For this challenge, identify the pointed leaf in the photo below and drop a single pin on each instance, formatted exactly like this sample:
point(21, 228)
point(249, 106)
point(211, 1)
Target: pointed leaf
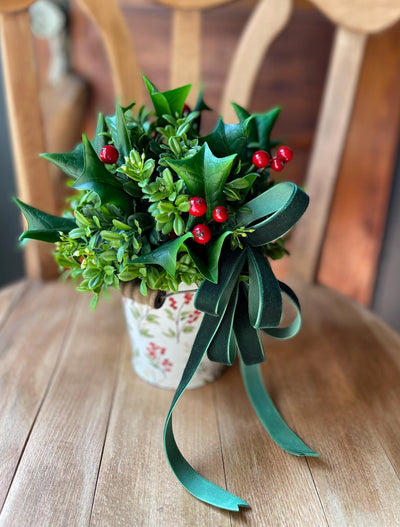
point(169, 102)
point(43, 226)
point(241, 113)
point(123, 144)
point(264, 123)
point(96, 177)
point(165, 255)
point(204, 175)
point(207, 259)
point(71, 163)
point(200, 107)
point(100, 139)
point(227, 139)
point(200, 104)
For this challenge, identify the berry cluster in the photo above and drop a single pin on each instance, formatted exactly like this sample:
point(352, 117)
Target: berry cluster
point(173, 303)
point(198, 207)
point(193, 316)
point(187, 298)
point(261, 158)
point(154, 353)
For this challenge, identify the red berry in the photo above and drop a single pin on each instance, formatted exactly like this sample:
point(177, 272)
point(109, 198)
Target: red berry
point(220, 214)
point(109, 154)
point(201, 233)
point(285, 153)
point(186, 109)
point(277, 164)
point(260, 159)
point(198, 206)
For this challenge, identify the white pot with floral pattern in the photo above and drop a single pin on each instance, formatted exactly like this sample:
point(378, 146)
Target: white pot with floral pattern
point(162, 339)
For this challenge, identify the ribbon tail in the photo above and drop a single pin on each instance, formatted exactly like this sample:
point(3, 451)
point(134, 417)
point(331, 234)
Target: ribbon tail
point(269, 415)
point(191, 480)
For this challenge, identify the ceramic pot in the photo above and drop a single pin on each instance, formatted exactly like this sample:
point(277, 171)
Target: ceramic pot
point(162, 338)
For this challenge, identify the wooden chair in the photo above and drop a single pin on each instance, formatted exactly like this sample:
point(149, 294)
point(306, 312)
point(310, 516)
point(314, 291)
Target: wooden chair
point(80, 440)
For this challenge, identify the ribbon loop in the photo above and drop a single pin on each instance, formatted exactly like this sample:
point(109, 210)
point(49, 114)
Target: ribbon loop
point(234, 311)
point(281, 206)
point(265, 299)
point(247, 337)
point(292, 329)
point(223, 345)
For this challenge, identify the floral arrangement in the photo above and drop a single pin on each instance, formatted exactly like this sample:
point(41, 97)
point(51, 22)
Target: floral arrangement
point(160, 204)
point(155, 201)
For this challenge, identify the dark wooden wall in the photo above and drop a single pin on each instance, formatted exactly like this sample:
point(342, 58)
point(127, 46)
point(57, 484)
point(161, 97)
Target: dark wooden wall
point(292, 76)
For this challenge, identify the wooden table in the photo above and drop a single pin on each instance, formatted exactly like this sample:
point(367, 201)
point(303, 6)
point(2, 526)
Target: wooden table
point(81, 435)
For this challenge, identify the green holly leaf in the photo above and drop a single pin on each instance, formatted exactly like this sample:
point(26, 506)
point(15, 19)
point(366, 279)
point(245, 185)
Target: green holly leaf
point(207, 258)
point(96, 177)
point(71, 163)
point(200, 104)
point(227, 139)
point(264, 123)
point(119, 132)
point(204, 175)
point(100, 139)
point(169, 102)
point(241, 113)
point(165, 255)
point(200, 107)
point(43, 226)
point(259, 125)
point(123, 142)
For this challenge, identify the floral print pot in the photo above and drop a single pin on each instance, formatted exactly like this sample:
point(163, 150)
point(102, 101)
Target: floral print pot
point(162, 339)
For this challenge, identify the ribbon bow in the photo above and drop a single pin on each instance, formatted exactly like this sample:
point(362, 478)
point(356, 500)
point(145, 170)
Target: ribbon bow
point(246, 298)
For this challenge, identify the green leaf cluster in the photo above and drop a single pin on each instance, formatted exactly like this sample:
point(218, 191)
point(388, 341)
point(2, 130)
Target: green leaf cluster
point(131, 220)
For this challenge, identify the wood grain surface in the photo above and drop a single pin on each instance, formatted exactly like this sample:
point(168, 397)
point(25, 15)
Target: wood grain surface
point(81, 435)
point(326, 154)
point(353, 240)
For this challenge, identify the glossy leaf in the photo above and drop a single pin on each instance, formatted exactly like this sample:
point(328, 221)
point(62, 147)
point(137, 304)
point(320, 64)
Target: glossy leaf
point(165, 255)
point(100, 139)
point(259, 125)
point(43, 226)
point(71, 163)
point(96, 177)
point(264, 123)
point(207, 258)
point(123, 143)
point(169, 102)
point(204, 175)
point(227, 139)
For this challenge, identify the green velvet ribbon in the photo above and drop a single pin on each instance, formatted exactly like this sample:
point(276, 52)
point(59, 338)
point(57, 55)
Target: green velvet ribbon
point(247, 298)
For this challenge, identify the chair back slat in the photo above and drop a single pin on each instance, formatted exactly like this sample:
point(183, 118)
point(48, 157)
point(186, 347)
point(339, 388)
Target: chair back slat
point(365, 16)
point(250, 52)
point(26, 128)
point(259, 32)
point(186, 50)
point(107, 16)
point(329, 141)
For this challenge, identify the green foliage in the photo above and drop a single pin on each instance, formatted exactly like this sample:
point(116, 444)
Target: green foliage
point(131, 220)
point(42, 226)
